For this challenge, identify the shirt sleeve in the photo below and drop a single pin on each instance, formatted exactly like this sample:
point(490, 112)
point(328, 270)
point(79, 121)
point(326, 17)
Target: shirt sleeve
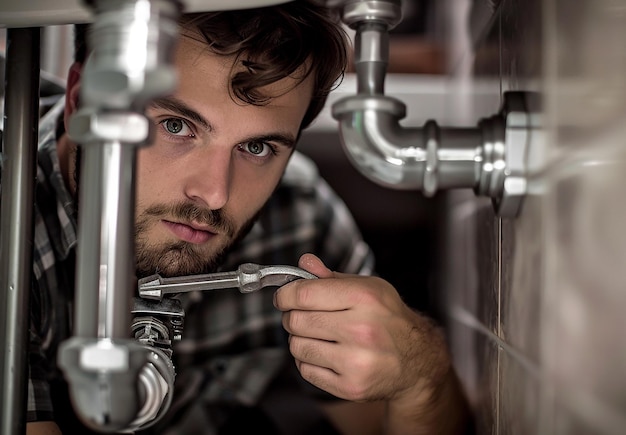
point(341, 246)
point(39, 402)
point(39, 405)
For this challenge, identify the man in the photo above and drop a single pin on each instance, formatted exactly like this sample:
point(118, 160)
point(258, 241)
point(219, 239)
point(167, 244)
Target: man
point(249, 82)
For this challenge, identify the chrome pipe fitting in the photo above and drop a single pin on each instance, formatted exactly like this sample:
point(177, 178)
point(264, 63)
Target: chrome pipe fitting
point(490, 159)
point(132, 60)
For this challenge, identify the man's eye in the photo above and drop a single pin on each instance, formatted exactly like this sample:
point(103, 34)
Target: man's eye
point(177, 127)
point(258, 149)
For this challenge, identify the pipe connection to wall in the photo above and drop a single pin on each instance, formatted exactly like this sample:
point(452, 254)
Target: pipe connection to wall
point(490, 158)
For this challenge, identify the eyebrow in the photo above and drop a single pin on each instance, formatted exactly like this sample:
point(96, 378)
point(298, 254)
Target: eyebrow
point(176, 105)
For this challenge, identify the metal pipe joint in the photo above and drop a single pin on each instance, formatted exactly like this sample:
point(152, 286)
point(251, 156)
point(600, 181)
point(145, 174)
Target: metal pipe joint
point(490, 158)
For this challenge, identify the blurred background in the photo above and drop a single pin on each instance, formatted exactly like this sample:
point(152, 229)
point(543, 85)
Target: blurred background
point(534, 305)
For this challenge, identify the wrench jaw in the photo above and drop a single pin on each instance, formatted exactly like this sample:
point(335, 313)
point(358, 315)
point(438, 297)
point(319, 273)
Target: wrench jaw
point(255, 277)
point(250, 276)
point(146, 292)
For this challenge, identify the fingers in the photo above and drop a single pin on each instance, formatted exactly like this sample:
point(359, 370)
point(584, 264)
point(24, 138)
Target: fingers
point(334, 291)
point(333, 383)
point(348, 372)
point(320, 325)
point(326, 294)
point(310, 294)
point(313, 264)
point(336, 326)
point(343, 292)
point(348, 326)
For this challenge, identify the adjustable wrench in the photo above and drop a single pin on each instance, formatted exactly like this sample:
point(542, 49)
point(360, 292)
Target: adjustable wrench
point(249, 277)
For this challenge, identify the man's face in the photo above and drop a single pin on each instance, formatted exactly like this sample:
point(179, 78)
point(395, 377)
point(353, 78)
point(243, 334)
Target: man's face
point(213, 164)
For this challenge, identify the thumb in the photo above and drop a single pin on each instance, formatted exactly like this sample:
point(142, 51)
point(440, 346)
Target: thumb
point(313, 264)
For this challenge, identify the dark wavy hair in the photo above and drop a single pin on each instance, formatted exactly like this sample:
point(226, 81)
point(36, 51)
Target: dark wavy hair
point(294, 39)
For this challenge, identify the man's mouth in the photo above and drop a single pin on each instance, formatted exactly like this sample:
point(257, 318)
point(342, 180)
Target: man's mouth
point(188, 233)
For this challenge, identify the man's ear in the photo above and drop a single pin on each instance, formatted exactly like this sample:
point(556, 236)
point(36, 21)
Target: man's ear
point(72, 93)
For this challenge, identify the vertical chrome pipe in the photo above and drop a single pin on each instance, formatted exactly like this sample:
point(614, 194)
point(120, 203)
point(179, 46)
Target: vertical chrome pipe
point(107, 226)
point(19, 151)
point(108, 371)
point(132, 41)
point(371, 57)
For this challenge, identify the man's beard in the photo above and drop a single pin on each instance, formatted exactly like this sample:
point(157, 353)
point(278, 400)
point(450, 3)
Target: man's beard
point(182, 258)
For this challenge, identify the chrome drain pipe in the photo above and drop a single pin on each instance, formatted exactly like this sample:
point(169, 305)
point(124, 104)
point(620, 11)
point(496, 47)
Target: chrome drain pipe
point(490, 158)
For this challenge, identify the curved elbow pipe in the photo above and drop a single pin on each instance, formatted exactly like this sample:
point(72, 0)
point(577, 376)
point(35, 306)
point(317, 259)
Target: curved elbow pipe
point(405, 158)
point(490, 159)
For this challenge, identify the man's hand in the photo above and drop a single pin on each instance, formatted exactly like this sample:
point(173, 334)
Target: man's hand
point(354, 337)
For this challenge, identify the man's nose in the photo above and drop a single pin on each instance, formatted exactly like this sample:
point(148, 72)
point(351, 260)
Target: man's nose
point(208, 178)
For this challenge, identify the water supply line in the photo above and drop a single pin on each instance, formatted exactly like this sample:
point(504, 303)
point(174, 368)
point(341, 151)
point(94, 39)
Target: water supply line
point(490, 158)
